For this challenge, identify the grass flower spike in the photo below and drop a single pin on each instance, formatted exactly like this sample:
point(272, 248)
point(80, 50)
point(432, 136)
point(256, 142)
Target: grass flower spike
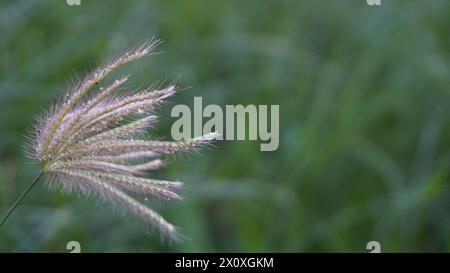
point(94, 143)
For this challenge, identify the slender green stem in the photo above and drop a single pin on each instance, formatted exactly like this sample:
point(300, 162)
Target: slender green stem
point(20, 198)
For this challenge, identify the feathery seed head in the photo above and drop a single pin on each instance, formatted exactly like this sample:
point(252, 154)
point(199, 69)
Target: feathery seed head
point(87, 145)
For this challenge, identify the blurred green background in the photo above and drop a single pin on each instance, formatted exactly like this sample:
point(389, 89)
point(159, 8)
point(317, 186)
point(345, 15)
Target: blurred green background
point(364, 95)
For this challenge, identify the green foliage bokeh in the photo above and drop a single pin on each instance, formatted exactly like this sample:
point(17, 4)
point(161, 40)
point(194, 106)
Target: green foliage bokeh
point(364, 95)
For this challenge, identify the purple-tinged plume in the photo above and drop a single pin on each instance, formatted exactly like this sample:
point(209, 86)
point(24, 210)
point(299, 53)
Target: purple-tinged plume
point(94, 143)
